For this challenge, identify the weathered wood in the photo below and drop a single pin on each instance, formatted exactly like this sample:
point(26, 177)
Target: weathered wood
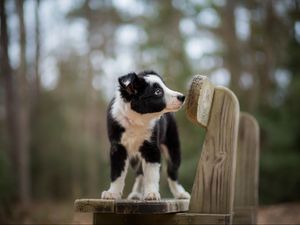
point(213, 188)
point(131, 206)
point(167, 219)
point(199, 100)
point(246, 185)
point(154, 207)
point(94, 205)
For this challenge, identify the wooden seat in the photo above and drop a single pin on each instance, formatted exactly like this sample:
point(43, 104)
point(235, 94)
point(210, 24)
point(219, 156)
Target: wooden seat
point(131, 206)
point(212, 198)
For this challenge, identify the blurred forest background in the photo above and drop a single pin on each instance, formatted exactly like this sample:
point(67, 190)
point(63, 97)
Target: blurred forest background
point(60, 60)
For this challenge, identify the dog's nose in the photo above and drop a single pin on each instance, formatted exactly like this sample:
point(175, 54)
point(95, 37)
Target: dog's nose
point(181, 98)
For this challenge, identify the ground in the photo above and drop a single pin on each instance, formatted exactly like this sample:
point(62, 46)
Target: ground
point(288, 213)
point(62, 213)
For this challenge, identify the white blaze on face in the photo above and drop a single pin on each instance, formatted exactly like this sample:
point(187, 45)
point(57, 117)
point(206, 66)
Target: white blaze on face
point(172, 102)
point(126, 82)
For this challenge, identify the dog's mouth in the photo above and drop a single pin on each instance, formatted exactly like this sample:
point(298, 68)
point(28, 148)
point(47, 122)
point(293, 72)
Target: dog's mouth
point(174, 107)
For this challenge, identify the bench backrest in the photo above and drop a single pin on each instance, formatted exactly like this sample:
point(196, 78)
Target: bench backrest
point(246, 184)
point(217, 111)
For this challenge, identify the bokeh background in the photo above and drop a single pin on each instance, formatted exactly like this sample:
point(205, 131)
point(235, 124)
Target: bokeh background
point(64, 57)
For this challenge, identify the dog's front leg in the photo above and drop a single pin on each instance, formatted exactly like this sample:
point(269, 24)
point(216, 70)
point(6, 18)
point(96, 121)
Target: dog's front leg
point(119, 166)
point(150, 154)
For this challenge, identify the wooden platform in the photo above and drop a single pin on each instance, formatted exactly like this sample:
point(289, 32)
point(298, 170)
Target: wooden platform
point(131, 206)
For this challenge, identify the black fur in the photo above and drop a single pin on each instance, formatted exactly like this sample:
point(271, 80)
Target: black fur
point(140, 94)
point(118, 155)
point(150, 152)
point(172, 142)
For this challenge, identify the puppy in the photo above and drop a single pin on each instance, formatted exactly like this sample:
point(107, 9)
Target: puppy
point(141, 126)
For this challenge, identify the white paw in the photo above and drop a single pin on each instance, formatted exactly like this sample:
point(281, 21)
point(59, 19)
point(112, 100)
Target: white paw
point(183, 195)
point(135, 196)
point(110, 195)
point(152, 196)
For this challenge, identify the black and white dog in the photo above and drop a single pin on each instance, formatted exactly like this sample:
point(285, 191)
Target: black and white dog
point(141, 126)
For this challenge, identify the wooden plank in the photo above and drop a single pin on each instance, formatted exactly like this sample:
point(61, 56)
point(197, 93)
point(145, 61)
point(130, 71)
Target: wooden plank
point(131, 206)
point(213, 188)
point(199, 100)
point(152, 207)
point(167, 219)
point(246, 185)
point(94, 205)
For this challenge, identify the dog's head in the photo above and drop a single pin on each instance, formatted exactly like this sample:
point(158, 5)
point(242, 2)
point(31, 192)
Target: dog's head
point(147, 93)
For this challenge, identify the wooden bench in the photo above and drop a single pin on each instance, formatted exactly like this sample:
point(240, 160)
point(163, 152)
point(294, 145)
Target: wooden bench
point(246, 185)
point(219, 194)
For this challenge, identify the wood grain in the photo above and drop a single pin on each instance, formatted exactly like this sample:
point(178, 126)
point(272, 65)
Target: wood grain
point(199, 100)
point(131, 206)
point(94, 205)
point(246, 185)
point(213, 189)
point(167, 219)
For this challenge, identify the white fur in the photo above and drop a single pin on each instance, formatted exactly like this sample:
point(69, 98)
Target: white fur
point(173, 104)
point(138, 188)
point(127, 82)
point(177, 190)
point(138, 127)
point(115, 190)
point(133, 138)
point(151, 180)
point(164, 150)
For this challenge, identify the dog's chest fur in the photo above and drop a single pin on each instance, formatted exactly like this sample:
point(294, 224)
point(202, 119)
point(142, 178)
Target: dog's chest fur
point(137, 127)
point(133, 137)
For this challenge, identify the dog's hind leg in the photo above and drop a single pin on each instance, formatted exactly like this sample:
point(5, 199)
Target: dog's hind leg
point(171, 149)
point(137, 190)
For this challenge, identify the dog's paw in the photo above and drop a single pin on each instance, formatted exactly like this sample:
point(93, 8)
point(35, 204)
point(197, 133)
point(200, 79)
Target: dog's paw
point(135, 196)
point(110, 195)
point(152, 196)
point(183, 195)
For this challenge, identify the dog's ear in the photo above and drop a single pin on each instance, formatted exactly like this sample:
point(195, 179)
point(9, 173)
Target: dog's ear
point(129, 82)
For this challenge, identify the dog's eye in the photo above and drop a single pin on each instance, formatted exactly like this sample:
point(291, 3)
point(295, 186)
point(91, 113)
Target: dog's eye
point(158, 92)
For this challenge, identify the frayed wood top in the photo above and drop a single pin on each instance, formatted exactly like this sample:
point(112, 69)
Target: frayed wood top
point(199, 100)
point(124, 206)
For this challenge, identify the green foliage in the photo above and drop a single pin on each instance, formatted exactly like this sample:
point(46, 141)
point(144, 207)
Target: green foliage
point(279, 176)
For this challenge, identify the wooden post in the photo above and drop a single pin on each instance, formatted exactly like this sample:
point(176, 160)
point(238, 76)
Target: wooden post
point(213, 189)
point(246, 185)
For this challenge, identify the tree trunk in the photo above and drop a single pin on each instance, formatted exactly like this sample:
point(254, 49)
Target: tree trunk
point(37, 50)
point(232, 56)
point(24, 130)
point(10, 95)
point(88, 123)
point(268, 47)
